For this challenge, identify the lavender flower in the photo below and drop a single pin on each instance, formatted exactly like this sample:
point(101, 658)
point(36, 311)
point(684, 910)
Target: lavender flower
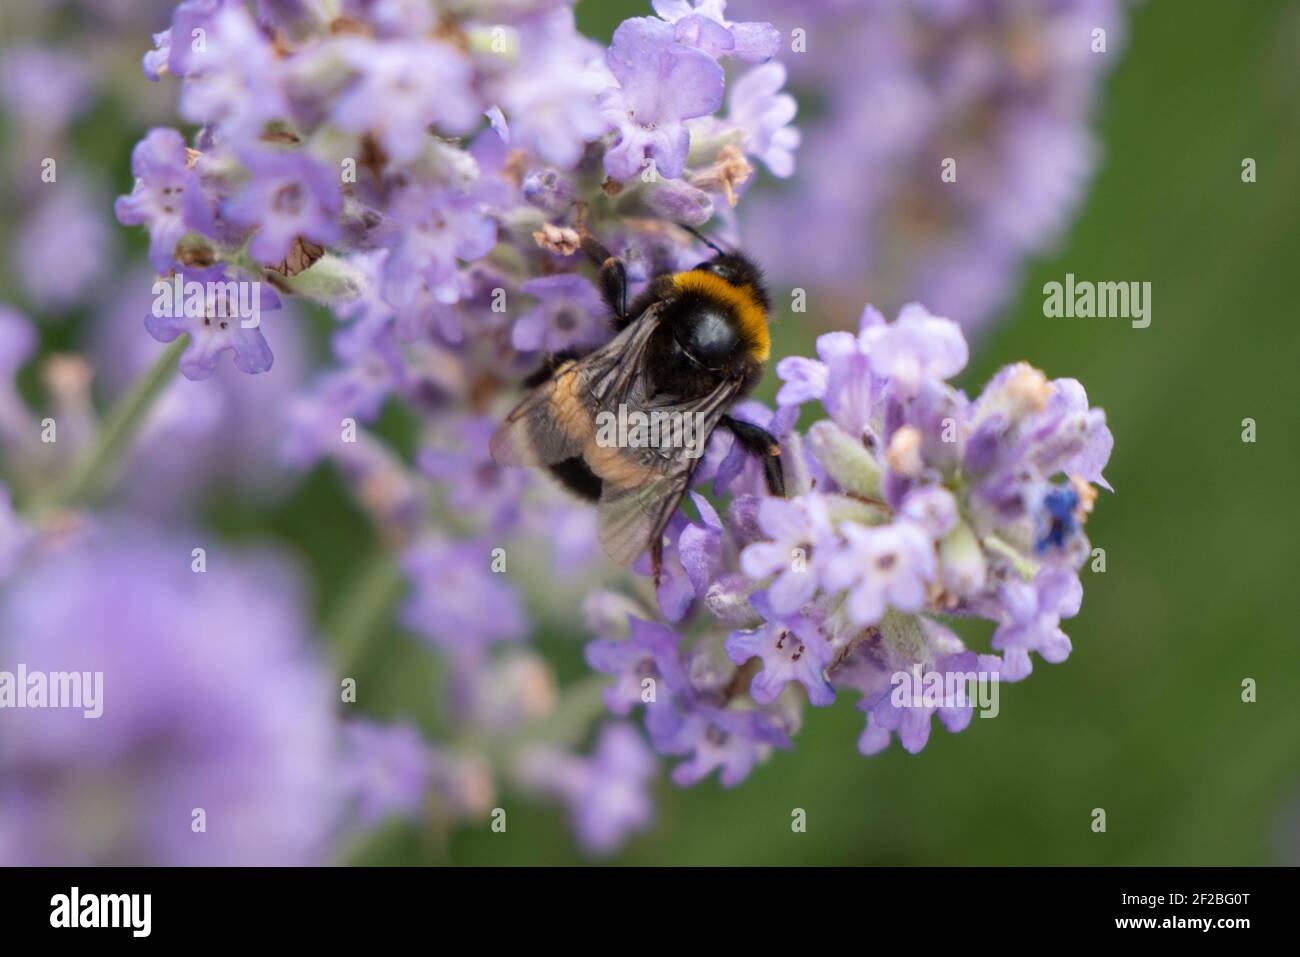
point(217, 324)
point(758, 106)
point(72, 218)
point(162, 175)
point(661, 84)
point(44, 89)
point(571, 314)
point(453, 584)
point(289, 195)
point(388, 770)
point(704, 26)
point(791, 648)
point(420, 83)
point(879, 568)
point(550, 100)
point(606, 793)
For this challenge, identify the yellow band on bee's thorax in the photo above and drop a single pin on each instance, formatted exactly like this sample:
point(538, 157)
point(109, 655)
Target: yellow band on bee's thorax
point(741, 299)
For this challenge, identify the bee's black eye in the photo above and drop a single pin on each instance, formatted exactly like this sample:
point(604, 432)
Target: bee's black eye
point(719, 268)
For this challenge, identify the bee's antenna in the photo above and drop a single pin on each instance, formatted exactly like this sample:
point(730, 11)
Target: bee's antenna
point(704, 239)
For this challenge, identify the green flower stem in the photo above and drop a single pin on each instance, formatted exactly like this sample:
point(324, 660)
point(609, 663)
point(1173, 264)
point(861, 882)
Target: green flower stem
point(1024, 565)
point(120, 427)
point(358, 612)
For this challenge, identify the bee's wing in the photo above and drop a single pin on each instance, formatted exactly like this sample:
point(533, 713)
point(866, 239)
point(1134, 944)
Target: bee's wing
point(633, 516)
point(554, 421)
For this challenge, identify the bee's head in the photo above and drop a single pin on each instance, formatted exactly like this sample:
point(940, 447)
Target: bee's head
point(739, 271)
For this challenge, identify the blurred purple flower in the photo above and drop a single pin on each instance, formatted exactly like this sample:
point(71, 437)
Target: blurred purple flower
point(402, 88)
point(457, 602)
point(570, 315)
point(215, 709)
point(607, 793)
point(758, 106)
point(386, 770)
point(703, 25)
point(44, 89)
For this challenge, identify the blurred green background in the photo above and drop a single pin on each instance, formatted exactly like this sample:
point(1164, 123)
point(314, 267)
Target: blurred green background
point(1145, 720)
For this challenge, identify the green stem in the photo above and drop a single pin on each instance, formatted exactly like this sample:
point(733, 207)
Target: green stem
point(121, 426)
point(357, 613)
point(1025, 566)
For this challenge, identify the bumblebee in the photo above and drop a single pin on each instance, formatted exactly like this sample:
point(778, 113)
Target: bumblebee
point(686, 349)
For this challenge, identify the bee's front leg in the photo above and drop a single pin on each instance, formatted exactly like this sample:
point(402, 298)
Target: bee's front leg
point(763, 445)
point(613, 276)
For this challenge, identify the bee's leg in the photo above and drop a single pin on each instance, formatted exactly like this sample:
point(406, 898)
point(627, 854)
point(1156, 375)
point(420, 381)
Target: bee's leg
point(613, 277)
point(657, 559)
point(761, 444)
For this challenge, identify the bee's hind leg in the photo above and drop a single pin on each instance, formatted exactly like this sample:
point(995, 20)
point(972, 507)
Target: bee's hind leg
point(763, 445)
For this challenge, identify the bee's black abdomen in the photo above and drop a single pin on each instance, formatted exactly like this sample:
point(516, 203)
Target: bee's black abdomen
point(578, 478)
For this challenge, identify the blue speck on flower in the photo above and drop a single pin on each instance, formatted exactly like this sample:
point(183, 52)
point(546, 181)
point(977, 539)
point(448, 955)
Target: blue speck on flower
point(1060, 503)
